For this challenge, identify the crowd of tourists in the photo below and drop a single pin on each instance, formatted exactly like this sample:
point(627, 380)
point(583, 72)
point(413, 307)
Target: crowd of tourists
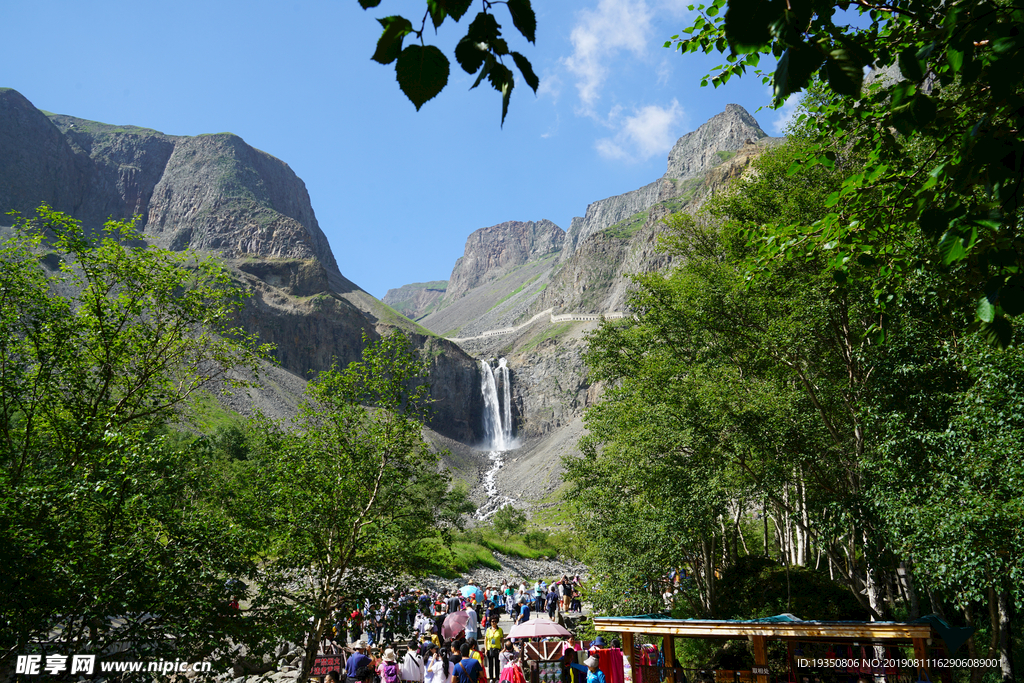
point(422, 613)
point(472, 648)
point(457, 661)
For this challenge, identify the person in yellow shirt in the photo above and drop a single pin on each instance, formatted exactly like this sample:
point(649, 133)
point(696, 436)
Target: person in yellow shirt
point(474, 653)
point(493, 638)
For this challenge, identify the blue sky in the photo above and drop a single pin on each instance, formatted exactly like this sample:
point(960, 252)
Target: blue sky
point(396, 191)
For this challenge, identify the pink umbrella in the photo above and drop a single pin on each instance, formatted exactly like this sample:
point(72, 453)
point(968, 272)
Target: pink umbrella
point(453, 623)
point(538, 628)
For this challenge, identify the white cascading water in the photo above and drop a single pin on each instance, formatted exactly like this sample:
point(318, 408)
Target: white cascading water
point(497, 431)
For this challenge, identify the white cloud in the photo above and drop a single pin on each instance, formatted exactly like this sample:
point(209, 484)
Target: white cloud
point(550, 86)
point(648, 131)
point(599, 36)
point(664, 72)
point(678, 8)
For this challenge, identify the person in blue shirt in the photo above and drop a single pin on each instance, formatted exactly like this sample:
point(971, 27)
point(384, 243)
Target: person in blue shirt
point(594, 675)
point(524, 613)
point(468, 669)
point(357, 660)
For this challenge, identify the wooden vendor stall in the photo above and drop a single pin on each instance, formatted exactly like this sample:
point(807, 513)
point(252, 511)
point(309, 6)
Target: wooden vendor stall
point(860, 642)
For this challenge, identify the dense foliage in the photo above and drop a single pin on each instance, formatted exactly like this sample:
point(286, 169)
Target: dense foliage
point(121, 527)
point(99, 516)
point(768, 416)
point(937, 130)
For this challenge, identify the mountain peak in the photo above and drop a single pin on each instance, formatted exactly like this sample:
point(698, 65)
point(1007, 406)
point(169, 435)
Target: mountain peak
point(697, 151)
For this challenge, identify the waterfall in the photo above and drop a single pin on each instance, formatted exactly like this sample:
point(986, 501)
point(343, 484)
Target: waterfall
point(497, 412)
point(497, 430)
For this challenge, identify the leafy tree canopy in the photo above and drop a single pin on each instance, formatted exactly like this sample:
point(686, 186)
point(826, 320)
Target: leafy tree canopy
point(509, 520)
point(937, 133)
point(108, 531)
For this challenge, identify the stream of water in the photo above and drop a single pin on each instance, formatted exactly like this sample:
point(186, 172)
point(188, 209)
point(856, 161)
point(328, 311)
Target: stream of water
point(497, 431)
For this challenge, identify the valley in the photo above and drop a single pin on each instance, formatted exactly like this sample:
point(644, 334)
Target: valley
point(524, 292)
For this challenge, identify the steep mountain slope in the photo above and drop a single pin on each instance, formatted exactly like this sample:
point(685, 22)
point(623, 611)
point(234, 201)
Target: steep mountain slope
point(418, 299)
point(512, 271)
point(537, 313)
point(217, 194)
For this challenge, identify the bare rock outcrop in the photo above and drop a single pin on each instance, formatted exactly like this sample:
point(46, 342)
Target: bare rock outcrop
point(218, 195)
point(693, 155)
point(418, 299)
point(493, 252)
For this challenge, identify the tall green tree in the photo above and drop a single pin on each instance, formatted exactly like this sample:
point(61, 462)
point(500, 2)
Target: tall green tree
point(351, 496)
point(867, 458)
point(509, 520)
point(938, 133)
point(107, 534)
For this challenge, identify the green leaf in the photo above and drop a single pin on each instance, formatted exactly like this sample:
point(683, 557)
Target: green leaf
point(955, 58)
point(794, 69)
point(910, 67)
point(1011, 299)
point(502, 80)
point(999, 332)
point(483, 29)
point(455, 8)
point(523, 18)
point(422, 72)
point(924, 109)
point(389, 45)
point(845, 75)
point(858, 52)
point(470, 55)
point(437, 12)
point(954, 246)
point(986, 312)
point(367, 4)
point(747, 23)
point(489, 62)
point(524, 66)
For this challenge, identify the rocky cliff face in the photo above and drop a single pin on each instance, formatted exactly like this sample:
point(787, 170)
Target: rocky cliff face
point(217, 194)
point(605, 212)
point(418, 299)
point(493, 252)
point(695, 153)
point(617, 237)
point(692, 156)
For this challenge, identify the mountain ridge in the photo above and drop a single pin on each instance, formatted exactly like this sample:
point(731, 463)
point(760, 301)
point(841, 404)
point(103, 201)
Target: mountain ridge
point(218, 195)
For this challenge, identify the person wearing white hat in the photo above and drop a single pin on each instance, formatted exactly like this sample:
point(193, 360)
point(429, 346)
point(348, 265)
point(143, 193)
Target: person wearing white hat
point(357, 660)
point(595, 675)
point(388, 669)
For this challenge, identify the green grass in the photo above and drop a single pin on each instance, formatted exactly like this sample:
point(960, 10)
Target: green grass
point(552, 511)
point(393, 317)
point(725, 155)
point(466, 556)
point(516, 291)
point(625, 229)
point(209, 415)
point(514, 545)
point(476, 547)
point(549, 333)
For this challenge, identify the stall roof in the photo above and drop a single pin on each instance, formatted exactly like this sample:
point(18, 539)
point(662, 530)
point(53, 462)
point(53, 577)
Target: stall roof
point(783, 626)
